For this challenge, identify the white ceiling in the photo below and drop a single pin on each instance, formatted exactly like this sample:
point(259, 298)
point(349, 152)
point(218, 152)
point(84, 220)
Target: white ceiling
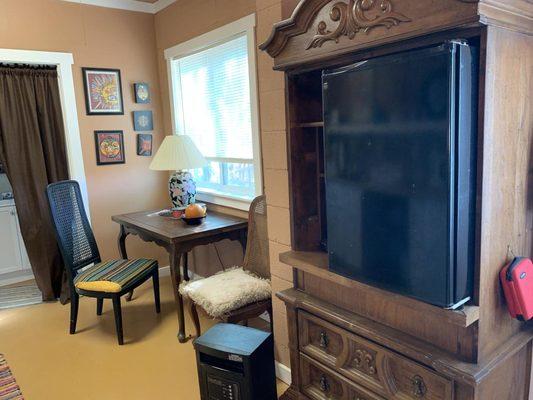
point(147, 6)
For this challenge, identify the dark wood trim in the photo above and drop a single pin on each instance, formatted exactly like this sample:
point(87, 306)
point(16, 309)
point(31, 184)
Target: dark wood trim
point(316, 263)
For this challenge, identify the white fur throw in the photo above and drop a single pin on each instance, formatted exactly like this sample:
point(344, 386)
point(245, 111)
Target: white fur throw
point(226, 291)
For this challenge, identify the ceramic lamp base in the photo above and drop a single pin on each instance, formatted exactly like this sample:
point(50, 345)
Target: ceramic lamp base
point(182, 189)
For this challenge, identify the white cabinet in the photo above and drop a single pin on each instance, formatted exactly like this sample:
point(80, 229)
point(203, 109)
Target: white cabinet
point(13, 256)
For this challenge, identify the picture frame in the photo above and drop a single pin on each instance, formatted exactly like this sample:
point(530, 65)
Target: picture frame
point(142, 93)
point(143, 121)
point(144, 144)
point(109, 147)
point(103, 91)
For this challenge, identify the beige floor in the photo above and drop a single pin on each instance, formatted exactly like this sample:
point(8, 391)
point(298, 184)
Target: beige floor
point(50, 364)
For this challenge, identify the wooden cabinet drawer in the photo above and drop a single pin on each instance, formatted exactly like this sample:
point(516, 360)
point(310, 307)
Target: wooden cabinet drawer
point(368, 364)
point(321, 383)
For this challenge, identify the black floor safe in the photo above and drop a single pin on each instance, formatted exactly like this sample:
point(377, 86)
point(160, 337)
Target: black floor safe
point(236, 363)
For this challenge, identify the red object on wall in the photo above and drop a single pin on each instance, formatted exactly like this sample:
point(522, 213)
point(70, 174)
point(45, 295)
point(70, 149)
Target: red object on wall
point(517, 282)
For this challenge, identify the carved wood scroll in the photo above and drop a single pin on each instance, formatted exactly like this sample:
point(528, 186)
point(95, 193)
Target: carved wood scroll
point(353, 17)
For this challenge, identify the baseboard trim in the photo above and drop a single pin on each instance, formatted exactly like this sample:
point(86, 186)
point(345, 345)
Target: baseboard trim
point(16, 277)
point(283, 373)
point(164, 271)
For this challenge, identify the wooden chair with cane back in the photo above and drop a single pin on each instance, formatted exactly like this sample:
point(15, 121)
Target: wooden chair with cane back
point(87, 274)
point(248, 288)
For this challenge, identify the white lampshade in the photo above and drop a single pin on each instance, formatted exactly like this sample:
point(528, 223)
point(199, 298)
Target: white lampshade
point(177, 152)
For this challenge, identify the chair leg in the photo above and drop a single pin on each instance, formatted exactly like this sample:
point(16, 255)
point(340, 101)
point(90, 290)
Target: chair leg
point(271, 317)
point(195, 319)
point(118, 319)
point(99, 306)
point(129, 296)
point(155, 278)
point(74, 306)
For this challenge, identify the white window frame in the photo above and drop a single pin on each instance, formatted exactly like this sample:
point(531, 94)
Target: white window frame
point(218, 36)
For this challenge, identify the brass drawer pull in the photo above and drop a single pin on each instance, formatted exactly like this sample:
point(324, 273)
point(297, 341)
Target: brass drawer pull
point(324, 340)
point(324, 384)
point(419, 387)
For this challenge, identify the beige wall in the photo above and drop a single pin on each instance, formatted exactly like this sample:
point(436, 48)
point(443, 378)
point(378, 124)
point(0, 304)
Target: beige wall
point(189, 18)
point(100, 37)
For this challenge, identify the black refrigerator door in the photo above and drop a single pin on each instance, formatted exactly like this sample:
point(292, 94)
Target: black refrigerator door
point(390, 172)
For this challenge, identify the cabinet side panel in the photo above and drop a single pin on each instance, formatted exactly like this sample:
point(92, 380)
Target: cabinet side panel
point(509, 379)
point(507, 205)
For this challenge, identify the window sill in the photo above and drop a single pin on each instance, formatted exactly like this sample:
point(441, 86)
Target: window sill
point(222, 199)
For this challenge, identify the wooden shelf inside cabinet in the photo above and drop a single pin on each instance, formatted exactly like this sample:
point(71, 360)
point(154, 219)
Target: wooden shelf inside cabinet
point(317, 124)
point(316, 263)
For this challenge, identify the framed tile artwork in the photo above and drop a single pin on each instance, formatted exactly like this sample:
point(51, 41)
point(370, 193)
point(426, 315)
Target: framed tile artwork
point(109, 146)
point(143, 121)
point(144, 144)
point(103, 91)
point(142, 93)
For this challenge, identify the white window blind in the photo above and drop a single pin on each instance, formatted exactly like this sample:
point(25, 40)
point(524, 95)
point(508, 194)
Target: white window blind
point(215, 100)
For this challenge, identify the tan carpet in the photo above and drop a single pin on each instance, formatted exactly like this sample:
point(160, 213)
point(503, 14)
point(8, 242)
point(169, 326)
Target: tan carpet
point(51, 364)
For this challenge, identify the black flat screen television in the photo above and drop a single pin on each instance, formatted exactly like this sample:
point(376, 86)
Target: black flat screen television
point(400, 154)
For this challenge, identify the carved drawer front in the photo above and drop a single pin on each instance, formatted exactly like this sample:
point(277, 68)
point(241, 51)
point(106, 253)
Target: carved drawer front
point(412, 381)
point(368, 364)
point(322, 341)
point(321, 383)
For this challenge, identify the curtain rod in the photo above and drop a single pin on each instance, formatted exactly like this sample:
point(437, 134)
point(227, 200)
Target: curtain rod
point(29, 66)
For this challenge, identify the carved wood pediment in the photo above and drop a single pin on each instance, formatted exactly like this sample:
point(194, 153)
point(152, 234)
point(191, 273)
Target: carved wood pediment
point(353, 17)
point(317, 27)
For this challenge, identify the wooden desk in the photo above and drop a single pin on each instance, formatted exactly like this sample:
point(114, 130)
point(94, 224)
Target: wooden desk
point(178, 239)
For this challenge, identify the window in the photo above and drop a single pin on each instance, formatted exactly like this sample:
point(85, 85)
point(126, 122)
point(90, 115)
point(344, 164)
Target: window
point(214, 99)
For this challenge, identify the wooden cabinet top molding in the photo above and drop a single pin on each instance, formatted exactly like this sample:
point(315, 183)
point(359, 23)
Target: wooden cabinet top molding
point(324, 28)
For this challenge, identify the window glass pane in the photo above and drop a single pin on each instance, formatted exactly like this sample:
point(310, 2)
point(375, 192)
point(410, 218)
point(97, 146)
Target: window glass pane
point(240, 174)
point(215, 99)
point(209, 174)
point(226, 178)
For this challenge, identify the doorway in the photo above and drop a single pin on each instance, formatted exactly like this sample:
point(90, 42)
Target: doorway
point(14, 264)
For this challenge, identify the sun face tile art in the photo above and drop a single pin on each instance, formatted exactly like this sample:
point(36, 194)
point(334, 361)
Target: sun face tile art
point(103, 91)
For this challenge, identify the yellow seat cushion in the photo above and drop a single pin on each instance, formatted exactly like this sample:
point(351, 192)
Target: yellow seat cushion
point(100, 286)
point(113, 276)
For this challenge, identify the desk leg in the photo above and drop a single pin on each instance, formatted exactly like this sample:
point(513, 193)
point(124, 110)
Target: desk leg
point(186, 267)
point(122, 250)
point(175, 273)
point(122, 242)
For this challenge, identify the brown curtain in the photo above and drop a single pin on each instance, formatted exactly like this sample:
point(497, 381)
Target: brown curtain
point(32, 149)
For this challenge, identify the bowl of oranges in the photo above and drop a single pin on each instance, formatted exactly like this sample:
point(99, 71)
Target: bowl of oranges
point(194, 214)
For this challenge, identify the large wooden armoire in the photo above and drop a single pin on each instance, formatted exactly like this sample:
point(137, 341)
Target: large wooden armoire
point(352, 341)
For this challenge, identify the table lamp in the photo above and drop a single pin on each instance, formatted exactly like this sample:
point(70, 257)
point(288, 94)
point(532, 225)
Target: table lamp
point(177, 153)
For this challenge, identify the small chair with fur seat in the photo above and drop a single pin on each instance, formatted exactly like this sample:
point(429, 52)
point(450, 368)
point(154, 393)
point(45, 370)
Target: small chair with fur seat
point(87, 274)
point(237, 294)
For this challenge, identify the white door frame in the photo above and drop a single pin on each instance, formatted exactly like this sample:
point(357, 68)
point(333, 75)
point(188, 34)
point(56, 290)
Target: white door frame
point(64, 62)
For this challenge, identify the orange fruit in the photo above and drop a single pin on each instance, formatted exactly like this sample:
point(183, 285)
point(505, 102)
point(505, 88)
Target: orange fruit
point(194, 211)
